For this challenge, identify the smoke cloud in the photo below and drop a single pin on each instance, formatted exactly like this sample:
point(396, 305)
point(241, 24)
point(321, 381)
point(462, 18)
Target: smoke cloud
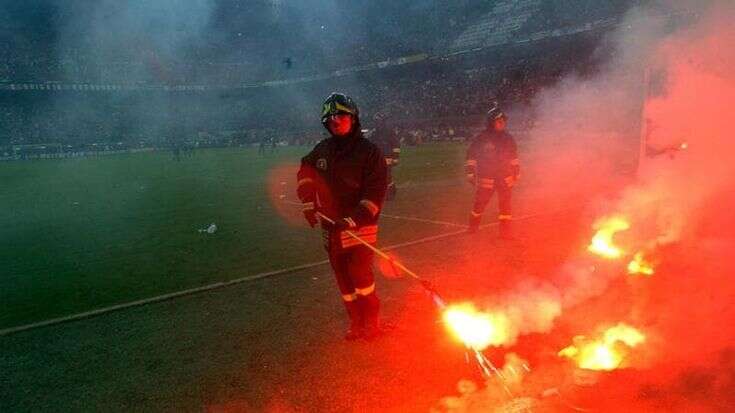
point(588, 132)
point(145, 40)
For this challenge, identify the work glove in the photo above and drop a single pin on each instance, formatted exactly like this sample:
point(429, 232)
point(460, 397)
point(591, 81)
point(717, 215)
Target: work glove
point(510, 181)
point(343, 224)
point(339, 224)
point(310, 215)
point(471, 179)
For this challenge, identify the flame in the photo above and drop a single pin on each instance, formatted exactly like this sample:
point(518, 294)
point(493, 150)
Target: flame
point(605, 353)
point(476, 329)
point(639, 265)
point(602, 243)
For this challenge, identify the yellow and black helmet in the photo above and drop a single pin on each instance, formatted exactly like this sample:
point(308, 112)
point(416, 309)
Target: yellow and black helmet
point(495, 112)
point(339, 103)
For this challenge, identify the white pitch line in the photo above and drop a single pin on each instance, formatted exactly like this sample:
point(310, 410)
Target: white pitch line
point(429, 221)
point(223, 284)
point(158, 298)
point(464, 231)
point(525, 217)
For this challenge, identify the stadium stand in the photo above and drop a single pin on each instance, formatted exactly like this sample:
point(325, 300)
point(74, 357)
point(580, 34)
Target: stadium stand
point(497, 26)
point(496, 55)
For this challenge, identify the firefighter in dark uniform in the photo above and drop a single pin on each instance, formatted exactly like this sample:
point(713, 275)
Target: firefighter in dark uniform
point(492, 165)
point(344, 178)
point(386, 139)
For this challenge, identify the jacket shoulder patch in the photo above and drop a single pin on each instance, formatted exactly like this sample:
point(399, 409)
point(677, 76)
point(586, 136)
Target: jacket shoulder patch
point(321, 163)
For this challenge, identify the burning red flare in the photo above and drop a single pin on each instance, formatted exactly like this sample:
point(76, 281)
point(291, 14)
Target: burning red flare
point(602, 243)
point(639, 265)
point(607, 352)
point(476, 329)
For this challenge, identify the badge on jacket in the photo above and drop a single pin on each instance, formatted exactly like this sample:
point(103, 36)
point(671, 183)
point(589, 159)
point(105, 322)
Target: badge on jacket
point(321, 163)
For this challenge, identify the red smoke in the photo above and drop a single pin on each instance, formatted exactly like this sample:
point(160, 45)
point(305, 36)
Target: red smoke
point(679, 207)
point(672, 199)
point(281, 188)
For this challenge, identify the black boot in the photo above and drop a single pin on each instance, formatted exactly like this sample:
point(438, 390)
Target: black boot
point(357, 325)
point(390, 194)
point(474, 222)
point(370, 307)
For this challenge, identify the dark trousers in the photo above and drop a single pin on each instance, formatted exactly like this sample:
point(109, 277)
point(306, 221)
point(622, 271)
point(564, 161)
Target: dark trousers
point(390, 193)
point(356, 281)
point(486, 187)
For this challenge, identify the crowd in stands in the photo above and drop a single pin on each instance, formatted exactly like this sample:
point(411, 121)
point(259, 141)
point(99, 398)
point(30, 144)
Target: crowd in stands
point(425, 102)
point(62, 42)
point(35, 55)
point(441, 98)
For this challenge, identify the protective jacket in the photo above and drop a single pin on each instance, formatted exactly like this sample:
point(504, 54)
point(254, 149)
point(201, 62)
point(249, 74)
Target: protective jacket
point(344, 177)
point(492, 155)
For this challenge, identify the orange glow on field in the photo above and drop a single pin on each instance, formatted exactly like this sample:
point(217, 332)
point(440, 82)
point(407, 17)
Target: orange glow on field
point(639, 265)
point(605, 353)
point(602, 243)
point(476, 329)
point(281, 189)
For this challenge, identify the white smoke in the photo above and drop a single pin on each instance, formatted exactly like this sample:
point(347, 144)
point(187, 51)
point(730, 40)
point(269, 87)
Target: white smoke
point(681, 197)
point(531, 307)
point(134, 36)
point(588, 126)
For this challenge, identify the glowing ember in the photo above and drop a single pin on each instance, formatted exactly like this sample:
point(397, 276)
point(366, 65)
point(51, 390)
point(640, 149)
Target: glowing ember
point(639, 265)
point(477, 330)
point(606, 353)
point(602, 243)
point(683, 146)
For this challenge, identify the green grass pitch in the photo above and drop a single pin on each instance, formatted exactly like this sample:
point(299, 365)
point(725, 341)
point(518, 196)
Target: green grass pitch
point(81, 234)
